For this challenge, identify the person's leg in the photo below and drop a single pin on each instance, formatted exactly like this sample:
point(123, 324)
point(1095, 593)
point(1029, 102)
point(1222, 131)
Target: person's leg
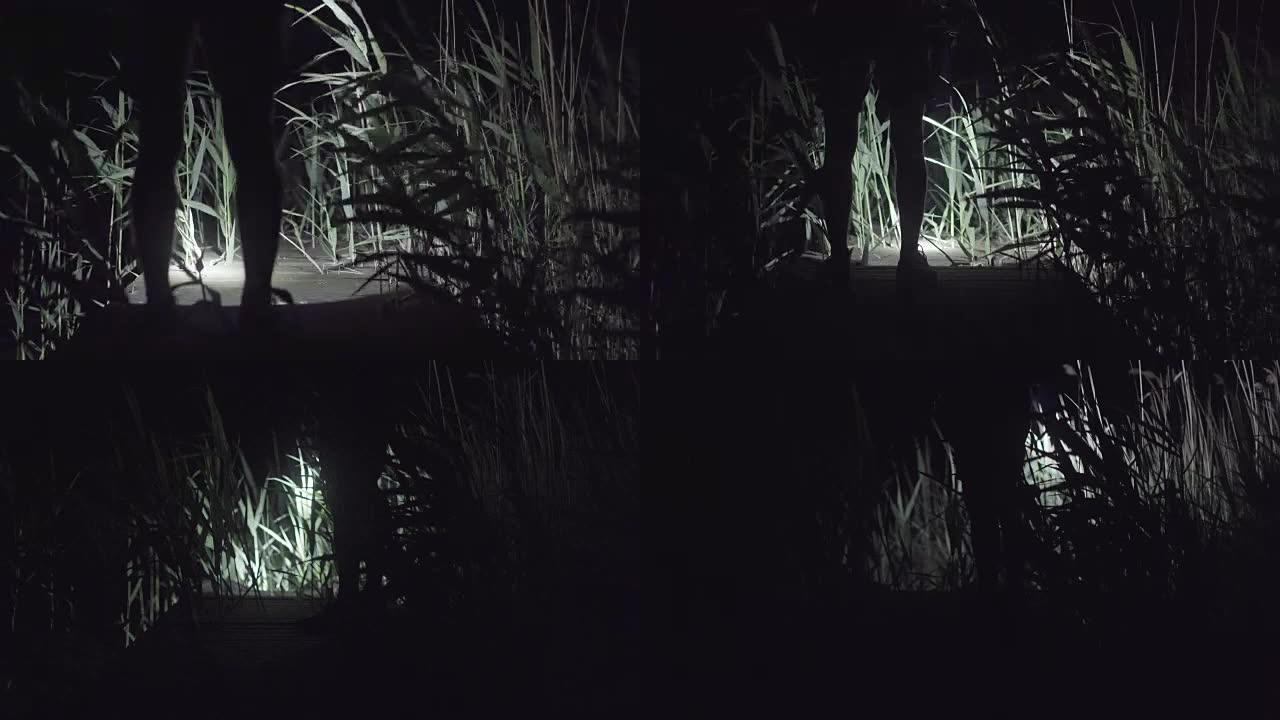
point(903, 72)
point(159, 82)
point(907, 141)
point(244, 43)
point(842, 91)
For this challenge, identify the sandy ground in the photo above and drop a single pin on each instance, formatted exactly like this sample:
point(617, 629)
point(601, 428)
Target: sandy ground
point(309, 281)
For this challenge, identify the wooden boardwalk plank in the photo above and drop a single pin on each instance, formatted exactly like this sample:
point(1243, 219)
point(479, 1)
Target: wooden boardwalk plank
point(331, 313)
point(400, 322)
point(307, 281)
point(974, 317)
point(249, 656)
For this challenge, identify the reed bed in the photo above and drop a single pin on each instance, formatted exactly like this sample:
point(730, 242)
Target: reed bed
point(490, 161)
point(1158, 514)
point(506, 489)
point(1150, 177)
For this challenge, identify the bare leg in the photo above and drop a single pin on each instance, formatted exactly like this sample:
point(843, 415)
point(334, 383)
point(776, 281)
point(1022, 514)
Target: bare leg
point(160, 92)
point(259, 200)
point(837, 186)
point(244, 59)
point(903, 71)
point(843, 92)
point(907, 141)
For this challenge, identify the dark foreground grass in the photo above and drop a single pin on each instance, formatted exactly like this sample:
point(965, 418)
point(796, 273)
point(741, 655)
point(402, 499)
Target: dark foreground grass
point(1147, 589)
point(616, 532)
point(513, 550)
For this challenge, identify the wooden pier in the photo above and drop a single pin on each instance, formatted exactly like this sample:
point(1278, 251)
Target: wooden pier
point(975, 320)
point(333, 311)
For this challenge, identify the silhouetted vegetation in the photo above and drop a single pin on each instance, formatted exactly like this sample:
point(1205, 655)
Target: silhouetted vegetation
point(1146, 175)
point(510, 496)
point(488, 158)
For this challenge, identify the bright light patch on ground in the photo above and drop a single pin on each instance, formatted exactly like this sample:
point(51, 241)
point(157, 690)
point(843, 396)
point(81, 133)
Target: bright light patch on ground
point(221, 271)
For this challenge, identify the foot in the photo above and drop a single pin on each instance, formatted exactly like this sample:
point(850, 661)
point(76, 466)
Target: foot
point(914, 270)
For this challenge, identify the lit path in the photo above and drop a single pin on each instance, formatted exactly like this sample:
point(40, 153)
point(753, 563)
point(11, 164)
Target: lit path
point(293, 272)
point(327, 315)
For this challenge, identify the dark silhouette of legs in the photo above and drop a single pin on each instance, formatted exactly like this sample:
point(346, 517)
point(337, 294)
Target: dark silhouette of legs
point(841, 93)
point(160, 91)
point(244, 51)
point(907, 141)
point(243, 43)
point(896, 41)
